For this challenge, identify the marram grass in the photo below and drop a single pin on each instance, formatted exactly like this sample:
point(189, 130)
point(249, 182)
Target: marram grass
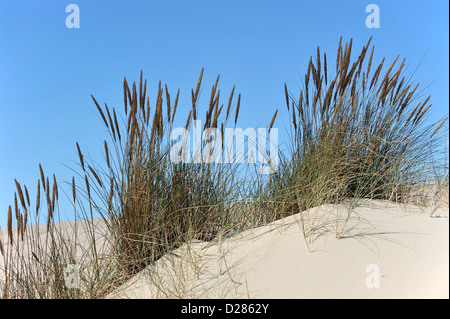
point(357, 131)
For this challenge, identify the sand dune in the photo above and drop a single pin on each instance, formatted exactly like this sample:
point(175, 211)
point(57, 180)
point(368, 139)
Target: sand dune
point(386, 251)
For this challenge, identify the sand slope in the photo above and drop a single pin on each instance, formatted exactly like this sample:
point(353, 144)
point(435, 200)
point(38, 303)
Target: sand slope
point(401, 248)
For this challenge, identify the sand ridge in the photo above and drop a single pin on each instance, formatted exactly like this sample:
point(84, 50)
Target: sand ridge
point(386, 251)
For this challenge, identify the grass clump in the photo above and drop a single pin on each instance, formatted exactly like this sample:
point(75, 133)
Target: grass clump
point(153, 204)
point(357, 133)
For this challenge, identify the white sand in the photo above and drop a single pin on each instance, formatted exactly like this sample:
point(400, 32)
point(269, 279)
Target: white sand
point(408, 248)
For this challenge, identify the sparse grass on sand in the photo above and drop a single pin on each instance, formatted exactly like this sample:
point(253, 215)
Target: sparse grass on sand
point(356, 133)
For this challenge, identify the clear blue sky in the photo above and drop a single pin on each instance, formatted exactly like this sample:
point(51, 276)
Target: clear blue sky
point(48, 72)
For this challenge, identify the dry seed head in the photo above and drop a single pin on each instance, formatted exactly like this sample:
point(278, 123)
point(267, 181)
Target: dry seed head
point(157, 121)
point(216, 116)
point(207, 120)
point(393, 83)
point(400, 111)
point(318, 92)
point(410, 95)
point(412, 113)
point(140, 138)
point(273, 120)
point(427, 99)
point(318, 62)
point(2, 250)
point(237, 108)
point(160, 116)
point(308, 72)
point(53, 197)
point(377, 73)
point(110, 122)
point(88, 188)
point(47, 192)
point(229, 102)
point(315, 75)
point(55, 186)
point(370, 60)
point(100, 110)
point(300, 104)
point(20, 226)
point(349, 51)
point(286, 94)
point(133, 133)
point(384, 83)
point(25, 221)
point(360, 63)
point(111, 193)
point(144, 93)
point(439, 127)
point(134, 100)
point(42, 176)
point(188, 122)
point(344, 61)
point(125, 86)
point(168, 103)
point(107, 154)
point(348, 77)
point(362, 56)
point(49, 218)
point(140, 86)
point(216, 101)
point(294, 121)
point(130, 118)
point(19, 190)
point(38, 197)
point(209, 112)
point(193, 104)
point(27, 195)
point(49, 204)
point(116, 124)
point(16, 207)
point(325, 67)
point(364, 78)
point(10, 232)
point(175, 105)
point(148, 111)
point(221, 133)
point(316, 97)
point(418, 113)
point(338, 55)
point(422, 114)
point(398, 90)
point(402, 96)
point(353, 87)
point(213, 93)
point(80, 155)
point(197, 89)
point(355, 104)
point(130, 100)
point(74, 192)
point(328, 95)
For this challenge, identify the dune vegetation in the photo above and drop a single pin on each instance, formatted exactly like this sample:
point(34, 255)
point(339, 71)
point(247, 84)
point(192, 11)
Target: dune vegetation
point(357, 131)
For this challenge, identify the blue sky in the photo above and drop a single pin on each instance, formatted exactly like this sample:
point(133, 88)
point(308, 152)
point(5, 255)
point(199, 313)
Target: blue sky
point(48, 71)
